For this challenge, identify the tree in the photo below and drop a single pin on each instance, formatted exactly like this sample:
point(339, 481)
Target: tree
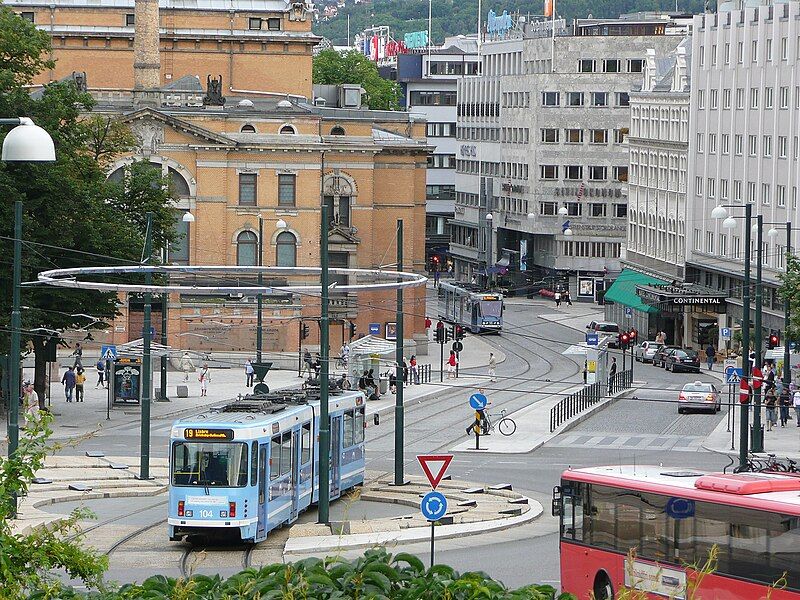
point(72, 216)
point(331, 67)
point(790, 288)
point(28, 558)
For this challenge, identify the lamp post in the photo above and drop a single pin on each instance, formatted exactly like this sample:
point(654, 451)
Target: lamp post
point(756, 436)
point(399, 416)
point(25, 143)
point(324, 419)
point(787, 365)
point(259, 297)
point(719, 212)
point(144, 454)
point(489, 221)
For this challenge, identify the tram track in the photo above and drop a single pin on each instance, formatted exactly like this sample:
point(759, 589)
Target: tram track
point(133, 535)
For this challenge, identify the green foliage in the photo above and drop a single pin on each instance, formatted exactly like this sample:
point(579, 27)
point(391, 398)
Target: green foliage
point(26, 560)
point(67, 204)
point(330, 67)
point(790, 288)
point(454, 18)
point(377, 576)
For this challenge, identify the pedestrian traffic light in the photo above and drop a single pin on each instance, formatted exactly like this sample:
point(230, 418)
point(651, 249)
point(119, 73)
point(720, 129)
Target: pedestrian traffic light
point(303, 331)
point(773, 340)
point(459, 332)
point(439, 333)
point(352, 330)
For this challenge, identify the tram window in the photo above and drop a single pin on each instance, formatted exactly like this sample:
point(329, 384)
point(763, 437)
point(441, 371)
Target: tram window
point(348, 429)
point(275, 457)
point(286, 452)
point(359, 426)
point(254, 464)
point(305, 443)
point(262, 488)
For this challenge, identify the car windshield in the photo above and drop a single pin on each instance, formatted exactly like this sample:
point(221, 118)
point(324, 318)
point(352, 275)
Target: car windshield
point(697, 387)
point(491, 308)
point(209, 464)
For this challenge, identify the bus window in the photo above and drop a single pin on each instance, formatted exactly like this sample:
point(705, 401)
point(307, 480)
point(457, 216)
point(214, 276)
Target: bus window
point(602, 517)
point(348, 429)
point(254, 464)
point(305, 444)
point(286, 453)
point(275, 457)
point(358, 434)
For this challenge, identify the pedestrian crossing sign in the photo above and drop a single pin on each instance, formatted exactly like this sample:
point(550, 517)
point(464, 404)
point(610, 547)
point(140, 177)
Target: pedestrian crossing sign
point(108, 352)
point(733, 375)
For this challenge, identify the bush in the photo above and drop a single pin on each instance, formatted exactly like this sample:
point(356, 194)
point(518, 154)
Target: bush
point(376, 575)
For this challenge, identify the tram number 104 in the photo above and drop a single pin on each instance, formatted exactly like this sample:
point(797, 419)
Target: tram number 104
point(206, 514)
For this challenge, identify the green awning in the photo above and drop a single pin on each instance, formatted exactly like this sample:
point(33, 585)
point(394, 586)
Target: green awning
point(623, 290)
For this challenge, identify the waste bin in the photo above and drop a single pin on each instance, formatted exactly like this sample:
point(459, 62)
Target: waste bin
point(383, 385)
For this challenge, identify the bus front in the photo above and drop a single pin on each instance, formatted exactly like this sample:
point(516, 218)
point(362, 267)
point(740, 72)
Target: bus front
point(209, 490)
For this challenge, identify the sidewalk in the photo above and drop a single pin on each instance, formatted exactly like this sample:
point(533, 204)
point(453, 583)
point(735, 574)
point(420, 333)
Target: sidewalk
point(781, 441)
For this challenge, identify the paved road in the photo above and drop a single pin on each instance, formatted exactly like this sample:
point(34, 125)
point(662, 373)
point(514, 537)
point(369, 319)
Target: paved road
point(646, 429)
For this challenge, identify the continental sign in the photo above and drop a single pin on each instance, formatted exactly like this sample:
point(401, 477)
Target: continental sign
point(197, 433)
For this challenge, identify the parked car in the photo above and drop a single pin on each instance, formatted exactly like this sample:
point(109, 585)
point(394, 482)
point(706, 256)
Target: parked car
point(682, 359)
point(700, 396)
point(645, 351)
point(658, 357)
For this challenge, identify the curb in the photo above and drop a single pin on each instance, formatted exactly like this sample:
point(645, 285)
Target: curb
point(329, 543)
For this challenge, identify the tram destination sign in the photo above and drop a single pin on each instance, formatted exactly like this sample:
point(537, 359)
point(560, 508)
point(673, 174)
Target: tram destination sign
point(204, 433)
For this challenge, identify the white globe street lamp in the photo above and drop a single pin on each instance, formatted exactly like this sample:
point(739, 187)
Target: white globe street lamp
point(719, 212)
point(27, 142)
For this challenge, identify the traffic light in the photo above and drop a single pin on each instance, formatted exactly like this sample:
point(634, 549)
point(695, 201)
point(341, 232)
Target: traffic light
point(632, 335)
point(459, 332)
point(624, 339)
point(352, 330)
point(773, 340)
point(303, 331)
point(438, 335)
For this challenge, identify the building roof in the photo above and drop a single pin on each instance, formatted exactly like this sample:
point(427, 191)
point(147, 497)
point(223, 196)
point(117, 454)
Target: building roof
point(222, 5)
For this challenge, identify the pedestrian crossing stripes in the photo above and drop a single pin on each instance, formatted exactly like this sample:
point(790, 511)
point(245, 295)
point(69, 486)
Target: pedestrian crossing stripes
point(628, 441)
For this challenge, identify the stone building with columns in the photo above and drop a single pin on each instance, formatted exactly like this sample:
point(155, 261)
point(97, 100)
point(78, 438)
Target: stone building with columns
point(239, 159)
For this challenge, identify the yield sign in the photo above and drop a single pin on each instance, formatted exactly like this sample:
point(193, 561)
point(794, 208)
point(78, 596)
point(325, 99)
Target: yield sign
point(439, 462)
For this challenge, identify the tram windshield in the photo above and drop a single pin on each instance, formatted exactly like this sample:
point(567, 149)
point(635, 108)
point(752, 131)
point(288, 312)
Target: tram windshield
point(205, 464)
point(491, 308)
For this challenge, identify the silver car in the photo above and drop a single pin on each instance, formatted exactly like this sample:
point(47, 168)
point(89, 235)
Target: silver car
point(645, 351)
point(699, 396)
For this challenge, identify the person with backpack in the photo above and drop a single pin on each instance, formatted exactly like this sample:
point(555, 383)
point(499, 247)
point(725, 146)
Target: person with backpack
point(101, 374)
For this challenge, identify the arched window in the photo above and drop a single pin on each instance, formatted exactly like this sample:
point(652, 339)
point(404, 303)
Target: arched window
point(287, 130)
point(248, 129)
point(286, 251)
point(247, 249)
point(337, 130)
point(179, 185)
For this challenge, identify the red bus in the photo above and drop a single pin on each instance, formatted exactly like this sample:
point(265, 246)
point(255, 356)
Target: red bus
point(673, 518)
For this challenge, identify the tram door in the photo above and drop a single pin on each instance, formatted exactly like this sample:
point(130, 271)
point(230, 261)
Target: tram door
point(336, 455)
point(263, 463)
point(295, 474)
point(475, 319)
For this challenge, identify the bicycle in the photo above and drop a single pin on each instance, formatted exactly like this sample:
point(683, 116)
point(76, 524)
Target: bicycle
point(504, 424)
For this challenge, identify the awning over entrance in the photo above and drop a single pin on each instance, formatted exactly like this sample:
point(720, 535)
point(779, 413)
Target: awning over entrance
point(623, 290)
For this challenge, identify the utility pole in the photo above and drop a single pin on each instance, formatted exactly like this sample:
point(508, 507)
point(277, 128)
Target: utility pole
point(144, 464)
point(746, 371)
point(399, 416)
point(324, 419)
point(756, 438)
point(259, 297)
point(164, 302)
point(16, 341)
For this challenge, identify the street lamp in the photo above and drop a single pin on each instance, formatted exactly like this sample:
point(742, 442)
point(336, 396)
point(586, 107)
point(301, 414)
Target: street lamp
point(568, 232)
point(489, 248)
point(718, 213)
point(563, 212)
point(188, 217)
point(25, 143)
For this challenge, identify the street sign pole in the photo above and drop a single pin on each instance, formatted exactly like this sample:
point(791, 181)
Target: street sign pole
point(434, 504)
point(399, 416)
point(433, 524)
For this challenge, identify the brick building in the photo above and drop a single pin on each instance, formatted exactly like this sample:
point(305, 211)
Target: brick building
point(259, 147)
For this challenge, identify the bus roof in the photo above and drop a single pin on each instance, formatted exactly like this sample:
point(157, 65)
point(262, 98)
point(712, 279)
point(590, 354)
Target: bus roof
point(764, 491)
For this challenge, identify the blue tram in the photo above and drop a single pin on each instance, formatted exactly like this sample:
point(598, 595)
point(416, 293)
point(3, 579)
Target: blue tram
point(472, 307)
point(252, 465)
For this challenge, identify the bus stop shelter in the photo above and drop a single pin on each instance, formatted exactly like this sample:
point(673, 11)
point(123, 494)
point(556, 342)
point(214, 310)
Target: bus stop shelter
point(374, 353)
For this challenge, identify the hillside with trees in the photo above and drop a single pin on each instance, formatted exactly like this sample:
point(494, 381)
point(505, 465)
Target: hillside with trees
point(453, 18)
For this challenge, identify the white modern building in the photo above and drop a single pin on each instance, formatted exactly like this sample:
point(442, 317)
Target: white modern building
point(543, 163)
point(744, 147)
point(429, 78)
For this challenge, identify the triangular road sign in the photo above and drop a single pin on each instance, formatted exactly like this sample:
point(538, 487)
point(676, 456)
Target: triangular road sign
point(439, 462)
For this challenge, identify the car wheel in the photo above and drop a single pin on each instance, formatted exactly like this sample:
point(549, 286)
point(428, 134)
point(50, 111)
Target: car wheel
point(680, 410)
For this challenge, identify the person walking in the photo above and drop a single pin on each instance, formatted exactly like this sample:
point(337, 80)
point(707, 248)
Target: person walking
point(307, 363)
point(557, 298)
point(492, 367)
point(69, 383)
point(771, 403)
point(769, 378)
point(711, 356)
point(77, 353)
point(187, 366)
point(612, 374)
point(796, 403)
point(436, 276)
point(249, 373)
point(317, 364)
point(80, 382)
point(567, 297)
point(451, 365)
point(785, 401)
point(414, 369)
point(30, 402)
point(205, 379)
point(101, 374)
point(661, 337)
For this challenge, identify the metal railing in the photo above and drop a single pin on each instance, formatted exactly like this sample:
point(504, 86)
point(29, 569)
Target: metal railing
point(579, 401)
